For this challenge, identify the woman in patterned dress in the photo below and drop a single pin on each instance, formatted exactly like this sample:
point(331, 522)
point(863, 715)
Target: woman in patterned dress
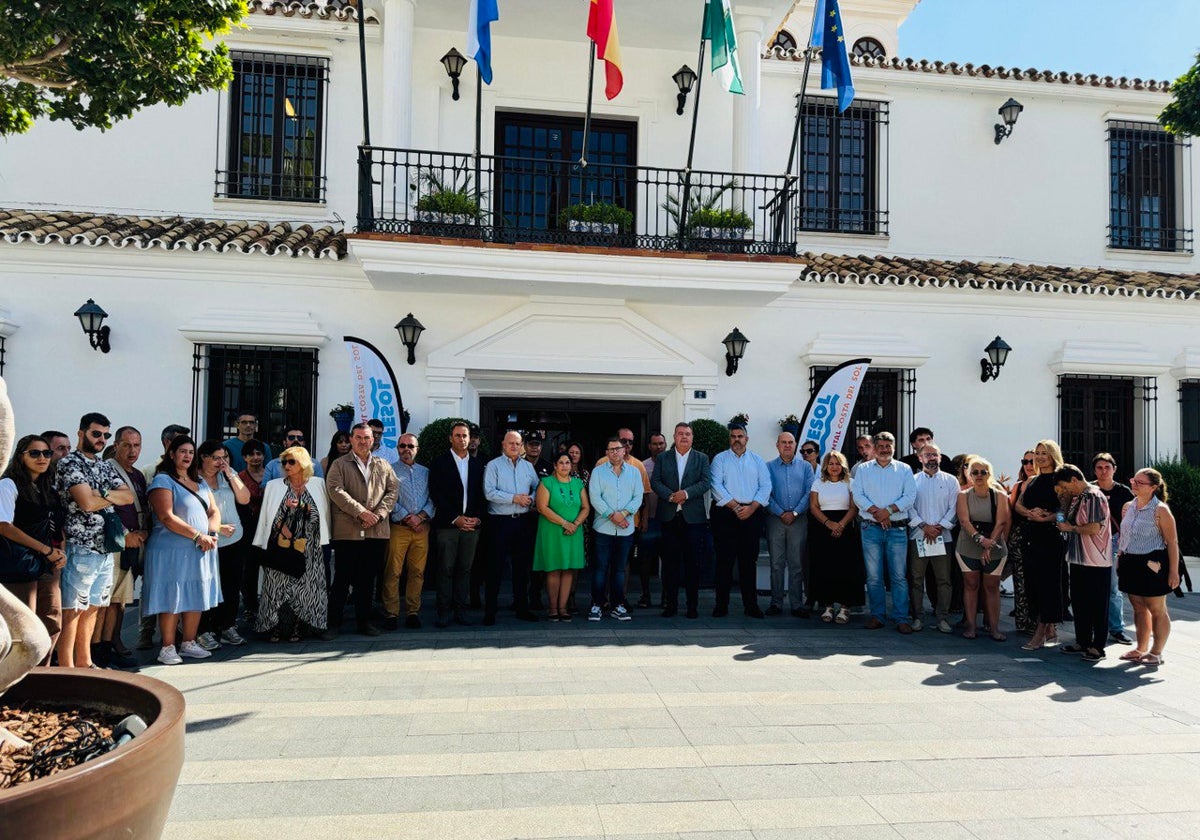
point(294, 507)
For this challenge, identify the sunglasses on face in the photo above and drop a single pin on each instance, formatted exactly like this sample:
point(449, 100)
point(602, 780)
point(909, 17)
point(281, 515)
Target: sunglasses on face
point(99, 435)
point(808, 452)
point(39, 453)
point(287, 462)
point(626, 440)
point(1025, 462)
point(980, 472)
point(406, 446)
point(296, 437)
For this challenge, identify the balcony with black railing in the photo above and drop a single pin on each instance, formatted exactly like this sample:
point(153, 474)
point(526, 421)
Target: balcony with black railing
point(554, 201)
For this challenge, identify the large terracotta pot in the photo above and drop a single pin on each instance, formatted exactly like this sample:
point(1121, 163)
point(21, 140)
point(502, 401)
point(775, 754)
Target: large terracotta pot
point(125, 793)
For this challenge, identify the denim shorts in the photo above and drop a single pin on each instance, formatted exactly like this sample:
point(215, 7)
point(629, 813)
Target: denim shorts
point(86, 579)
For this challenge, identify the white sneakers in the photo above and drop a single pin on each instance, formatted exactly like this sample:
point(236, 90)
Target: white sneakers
point(232, 637)
point(168, 656)
point(193, 650)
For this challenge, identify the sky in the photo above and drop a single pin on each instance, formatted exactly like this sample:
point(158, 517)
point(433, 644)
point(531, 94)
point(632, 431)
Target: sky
point(1148, 39)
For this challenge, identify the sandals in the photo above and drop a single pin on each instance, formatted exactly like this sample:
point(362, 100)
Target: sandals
point(827, 616)
point(1152, 659)
point(1034, 644)
point(1134, 655)
point(843, 616)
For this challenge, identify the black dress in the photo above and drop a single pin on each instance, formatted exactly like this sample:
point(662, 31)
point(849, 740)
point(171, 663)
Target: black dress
point(1043, 553)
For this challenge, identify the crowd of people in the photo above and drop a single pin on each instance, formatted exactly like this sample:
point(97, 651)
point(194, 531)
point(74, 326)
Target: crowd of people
point(222, 525)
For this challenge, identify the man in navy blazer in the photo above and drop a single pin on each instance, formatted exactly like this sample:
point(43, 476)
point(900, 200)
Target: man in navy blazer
point(456, 490)
point(680, 478)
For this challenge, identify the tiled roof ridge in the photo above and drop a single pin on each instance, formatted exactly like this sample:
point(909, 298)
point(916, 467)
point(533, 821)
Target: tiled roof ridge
point(986, 71)
point(172, 233)
point(866, 270)
point(343, 10)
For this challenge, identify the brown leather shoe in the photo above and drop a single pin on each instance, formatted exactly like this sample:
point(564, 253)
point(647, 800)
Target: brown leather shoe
point(873, 623)
point(904, 628)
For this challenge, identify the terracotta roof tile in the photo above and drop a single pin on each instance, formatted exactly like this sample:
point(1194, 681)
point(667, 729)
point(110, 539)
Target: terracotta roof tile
point(171, 233)
point(953, 68)
point(905, 271)
point(342, 10)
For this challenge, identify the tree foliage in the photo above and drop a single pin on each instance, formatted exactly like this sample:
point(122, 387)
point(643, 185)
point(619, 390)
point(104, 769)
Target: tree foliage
point(93, 62)
point(1182, 116)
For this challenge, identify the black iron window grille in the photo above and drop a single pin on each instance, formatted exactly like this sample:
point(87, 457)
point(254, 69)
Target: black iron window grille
point(276, 128)
point(278, 385)
point(886, 403)
point(843, 167)
point(868, 48)
point(1149, 200)
point(784, 40)
point(1108, 414)
point(1189, 420)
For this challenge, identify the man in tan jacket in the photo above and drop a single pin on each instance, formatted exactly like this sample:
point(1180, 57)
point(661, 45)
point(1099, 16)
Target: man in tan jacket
point(362, 491)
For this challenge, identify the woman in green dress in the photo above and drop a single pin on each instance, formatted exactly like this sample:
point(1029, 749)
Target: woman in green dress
point(562, 501)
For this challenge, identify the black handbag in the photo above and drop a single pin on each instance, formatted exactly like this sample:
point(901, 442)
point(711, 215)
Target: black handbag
point(287, 554)
point(19, 564)
point(114, 531)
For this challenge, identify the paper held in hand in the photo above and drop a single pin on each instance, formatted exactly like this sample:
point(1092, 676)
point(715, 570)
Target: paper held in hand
point(925, 548)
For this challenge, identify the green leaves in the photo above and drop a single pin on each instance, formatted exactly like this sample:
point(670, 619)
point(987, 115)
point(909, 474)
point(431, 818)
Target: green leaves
point(1183, 115)
point(94, 62)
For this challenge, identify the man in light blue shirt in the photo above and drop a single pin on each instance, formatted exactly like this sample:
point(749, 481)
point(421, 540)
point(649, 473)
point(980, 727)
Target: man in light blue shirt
point(934, 514)
point(884, 491)
point(509, 485)
point(787, 525)
point(741, 490)
point(292, 437)
point(615, 491)
point(409, 542)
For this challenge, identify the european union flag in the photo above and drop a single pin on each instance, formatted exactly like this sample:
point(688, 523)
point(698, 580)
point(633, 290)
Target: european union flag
point(829, 35)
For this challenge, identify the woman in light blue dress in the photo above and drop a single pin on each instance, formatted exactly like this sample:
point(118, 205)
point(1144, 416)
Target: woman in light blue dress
point(182, 575)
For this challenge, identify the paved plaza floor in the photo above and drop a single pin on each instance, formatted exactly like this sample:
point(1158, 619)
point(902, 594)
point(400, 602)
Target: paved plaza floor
point(731, 729)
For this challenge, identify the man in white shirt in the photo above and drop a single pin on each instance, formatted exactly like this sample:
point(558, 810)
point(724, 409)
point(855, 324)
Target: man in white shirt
point(934, 514)
point(741, 489)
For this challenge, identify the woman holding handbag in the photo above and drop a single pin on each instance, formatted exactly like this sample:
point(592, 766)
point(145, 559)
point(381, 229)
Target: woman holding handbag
point(29, 520)
point(292, 528)
point(182, 576)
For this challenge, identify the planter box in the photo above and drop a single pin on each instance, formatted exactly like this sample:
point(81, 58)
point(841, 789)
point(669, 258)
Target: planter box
point(125, 793)
point(436, 218)
point(721, 233)
point(607, 228)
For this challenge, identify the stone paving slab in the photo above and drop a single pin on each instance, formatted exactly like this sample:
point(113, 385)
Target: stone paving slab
point(704, 730)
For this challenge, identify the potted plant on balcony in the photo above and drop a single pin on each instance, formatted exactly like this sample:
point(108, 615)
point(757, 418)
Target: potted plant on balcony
point(790, 423)
point(719, 223)
point(343, 416)
point(444, 198)
point(708, 226)
point(601, 217)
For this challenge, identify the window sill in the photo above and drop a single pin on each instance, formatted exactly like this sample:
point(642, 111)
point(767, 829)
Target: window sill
point(803, 237)
point(316, 210)
point(1146, 254)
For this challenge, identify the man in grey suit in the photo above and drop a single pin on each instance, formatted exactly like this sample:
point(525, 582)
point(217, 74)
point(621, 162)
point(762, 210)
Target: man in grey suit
point(680, 478)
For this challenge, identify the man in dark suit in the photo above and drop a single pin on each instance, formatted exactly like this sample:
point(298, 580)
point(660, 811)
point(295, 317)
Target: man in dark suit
point(918, 439)
point(456, 490)
point(680, 478)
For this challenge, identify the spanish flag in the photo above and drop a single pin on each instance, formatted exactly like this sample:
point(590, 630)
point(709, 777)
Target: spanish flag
point(602, 29)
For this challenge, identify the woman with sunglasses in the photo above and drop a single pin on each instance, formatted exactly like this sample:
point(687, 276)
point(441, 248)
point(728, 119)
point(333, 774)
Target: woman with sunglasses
point(295, 510)
point(981, 553)
point(1022, 615)
point(1044, 551)
point(1148, 564)
point(810, 451)
point(182, 577)
point(30, 517)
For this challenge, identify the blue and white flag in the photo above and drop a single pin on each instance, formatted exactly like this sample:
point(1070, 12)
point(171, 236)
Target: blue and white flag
point(829, 34)
point(827, 418)
point(479, 35)
point(376, 395)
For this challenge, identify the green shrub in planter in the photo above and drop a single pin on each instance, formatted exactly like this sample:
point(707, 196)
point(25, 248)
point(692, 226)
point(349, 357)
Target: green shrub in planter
point(602, 212)
point(1183, 490)
point(435, 439)
point(449, 203)
point(709, 437)
point(724, 219)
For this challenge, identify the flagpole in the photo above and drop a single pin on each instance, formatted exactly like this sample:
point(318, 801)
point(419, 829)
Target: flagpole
point(687, 170)
point(788, 178)
point(587, 117)
point(478, 129)
point(366, 198)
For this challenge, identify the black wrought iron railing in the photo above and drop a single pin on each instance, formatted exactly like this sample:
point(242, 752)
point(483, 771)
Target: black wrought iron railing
point(511, 199)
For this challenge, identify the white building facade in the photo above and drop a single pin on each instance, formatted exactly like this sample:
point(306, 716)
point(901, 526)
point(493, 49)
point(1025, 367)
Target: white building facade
point(232, 247)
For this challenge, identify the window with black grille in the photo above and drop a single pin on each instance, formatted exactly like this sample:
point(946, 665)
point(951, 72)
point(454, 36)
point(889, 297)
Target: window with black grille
point(1108, 414)
point(1149, 204)
point(1189, 420)
point(886, 402)
point(868, 48)
point(278, 385)
point(276, 128)
point(842, 159)
point(784, 40)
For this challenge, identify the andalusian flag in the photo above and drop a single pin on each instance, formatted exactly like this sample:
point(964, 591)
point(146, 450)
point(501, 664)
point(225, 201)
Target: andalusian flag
point(718, 29)
point(602, 29)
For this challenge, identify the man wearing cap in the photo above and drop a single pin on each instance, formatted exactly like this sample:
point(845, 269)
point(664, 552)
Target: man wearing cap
point(741, 489)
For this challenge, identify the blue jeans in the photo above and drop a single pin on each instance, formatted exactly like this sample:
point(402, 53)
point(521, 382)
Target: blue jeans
point(888, 546)
point(610, 551)
point(1116, 598)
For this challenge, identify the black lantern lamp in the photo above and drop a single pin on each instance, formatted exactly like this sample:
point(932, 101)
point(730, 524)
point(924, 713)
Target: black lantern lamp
point(1008, 112)
point(684, 78)
point(410, 330)
point(454, 62)
point(91, 318)
point(997, 355)
point(735, 347)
